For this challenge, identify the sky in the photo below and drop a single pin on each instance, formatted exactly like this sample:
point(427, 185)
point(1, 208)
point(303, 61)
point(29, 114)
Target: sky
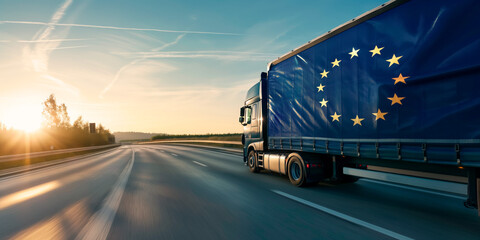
point(176, 67)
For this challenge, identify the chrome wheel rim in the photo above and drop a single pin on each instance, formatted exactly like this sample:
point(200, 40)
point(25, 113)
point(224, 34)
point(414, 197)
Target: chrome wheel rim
point(295, 171)
point(251, 161)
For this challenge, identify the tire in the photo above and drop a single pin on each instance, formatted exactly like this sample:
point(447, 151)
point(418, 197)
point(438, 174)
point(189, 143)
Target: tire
point(296, 172)
point(252, 162)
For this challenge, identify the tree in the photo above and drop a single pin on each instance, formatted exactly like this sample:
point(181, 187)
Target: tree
point(81, 124)
point(55, 115)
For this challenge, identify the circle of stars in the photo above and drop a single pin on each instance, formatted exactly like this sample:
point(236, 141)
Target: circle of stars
point(395, 99)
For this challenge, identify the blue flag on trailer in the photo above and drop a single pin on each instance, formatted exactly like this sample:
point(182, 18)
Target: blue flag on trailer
point(413, 73)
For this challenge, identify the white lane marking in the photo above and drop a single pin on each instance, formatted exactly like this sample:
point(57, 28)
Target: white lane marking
point(199, 163)
point(173, 154)
point(99, 224)
point(412, 188)
point(344, 216)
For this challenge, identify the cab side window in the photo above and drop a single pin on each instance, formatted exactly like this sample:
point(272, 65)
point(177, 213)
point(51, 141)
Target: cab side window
point(254, 112)
point(248, 115)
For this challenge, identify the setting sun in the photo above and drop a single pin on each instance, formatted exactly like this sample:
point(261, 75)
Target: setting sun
point(23, 116)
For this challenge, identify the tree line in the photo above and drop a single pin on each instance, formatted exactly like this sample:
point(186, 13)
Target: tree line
point(220, 137)
point(56, 133)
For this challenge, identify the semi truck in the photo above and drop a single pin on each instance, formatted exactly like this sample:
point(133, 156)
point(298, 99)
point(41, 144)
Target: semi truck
point(397, 87)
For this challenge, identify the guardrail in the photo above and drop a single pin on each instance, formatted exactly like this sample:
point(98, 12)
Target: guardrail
point(7, 158)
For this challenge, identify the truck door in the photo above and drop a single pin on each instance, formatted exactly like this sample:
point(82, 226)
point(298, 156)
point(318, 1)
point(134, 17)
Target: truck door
point(255, 126)
point(250, 119)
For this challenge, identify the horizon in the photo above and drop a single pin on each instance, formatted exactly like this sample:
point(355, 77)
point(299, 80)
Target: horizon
point(155, 67)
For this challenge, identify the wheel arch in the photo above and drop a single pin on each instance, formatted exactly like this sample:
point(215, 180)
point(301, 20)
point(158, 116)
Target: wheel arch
point(251, 147)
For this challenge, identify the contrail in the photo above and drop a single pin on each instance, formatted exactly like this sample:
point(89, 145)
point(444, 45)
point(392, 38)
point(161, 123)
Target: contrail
point(207, 54)
point(237, 57)
point(54, 20)
point(71, 47)
point(49, 40)
point(117, 28)
point(38, 52)
point(197, 52)
point(120, 71)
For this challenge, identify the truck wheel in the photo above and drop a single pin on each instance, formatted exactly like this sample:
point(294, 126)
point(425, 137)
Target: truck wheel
point(252, 161)
point(296, 172)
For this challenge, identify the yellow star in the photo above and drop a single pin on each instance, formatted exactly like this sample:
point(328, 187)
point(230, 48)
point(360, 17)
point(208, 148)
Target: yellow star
point(380, 115)
point(354, 53)
point(393, 60)
point(396, 99)
point(376, 50)
point(320, 88)
point(336, 63)
point(357, 120)
point(335, 117)
point(400, 78)
point(324, 73)
point(324, 103)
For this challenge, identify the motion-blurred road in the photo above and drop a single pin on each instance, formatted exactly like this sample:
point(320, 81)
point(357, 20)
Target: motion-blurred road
point(181, 192)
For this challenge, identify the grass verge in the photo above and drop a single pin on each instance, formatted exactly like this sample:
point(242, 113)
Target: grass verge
point(31, 161)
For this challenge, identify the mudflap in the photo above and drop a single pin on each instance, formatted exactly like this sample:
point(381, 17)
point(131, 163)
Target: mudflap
point(473, 199)
point(315, 167)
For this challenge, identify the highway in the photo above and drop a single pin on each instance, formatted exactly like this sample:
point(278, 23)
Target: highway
point(182, 192)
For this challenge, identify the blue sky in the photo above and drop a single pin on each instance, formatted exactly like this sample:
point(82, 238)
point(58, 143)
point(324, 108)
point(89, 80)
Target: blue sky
point(151, 66)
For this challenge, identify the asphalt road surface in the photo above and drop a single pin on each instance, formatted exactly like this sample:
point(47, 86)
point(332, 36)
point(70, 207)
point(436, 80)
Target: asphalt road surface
point(181, 192)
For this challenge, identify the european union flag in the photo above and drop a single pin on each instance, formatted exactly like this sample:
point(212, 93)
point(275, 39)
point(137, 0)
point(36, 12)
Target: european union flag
point(410, 74)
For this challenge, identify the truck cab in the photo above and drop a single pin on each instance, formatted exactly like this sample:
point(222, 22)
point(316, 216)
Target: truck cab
point(256, 154)
point(251, 119)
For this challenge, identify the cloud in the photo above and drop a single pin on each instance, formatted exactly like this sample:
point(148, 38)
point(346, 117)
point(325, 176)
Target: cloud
point(116, 28)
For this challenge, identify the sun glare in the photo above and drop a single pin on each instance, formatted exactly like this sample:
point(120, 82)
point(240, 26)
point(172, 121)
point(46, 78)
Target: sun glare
point(25, 117)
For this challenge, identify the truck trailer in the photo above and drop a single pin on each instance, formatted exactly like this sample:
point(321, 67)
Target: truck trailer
point(397, 87)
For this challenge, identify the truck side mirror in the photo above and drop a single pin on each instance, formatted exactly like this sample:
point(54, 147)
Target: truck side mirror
point(245, 115)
